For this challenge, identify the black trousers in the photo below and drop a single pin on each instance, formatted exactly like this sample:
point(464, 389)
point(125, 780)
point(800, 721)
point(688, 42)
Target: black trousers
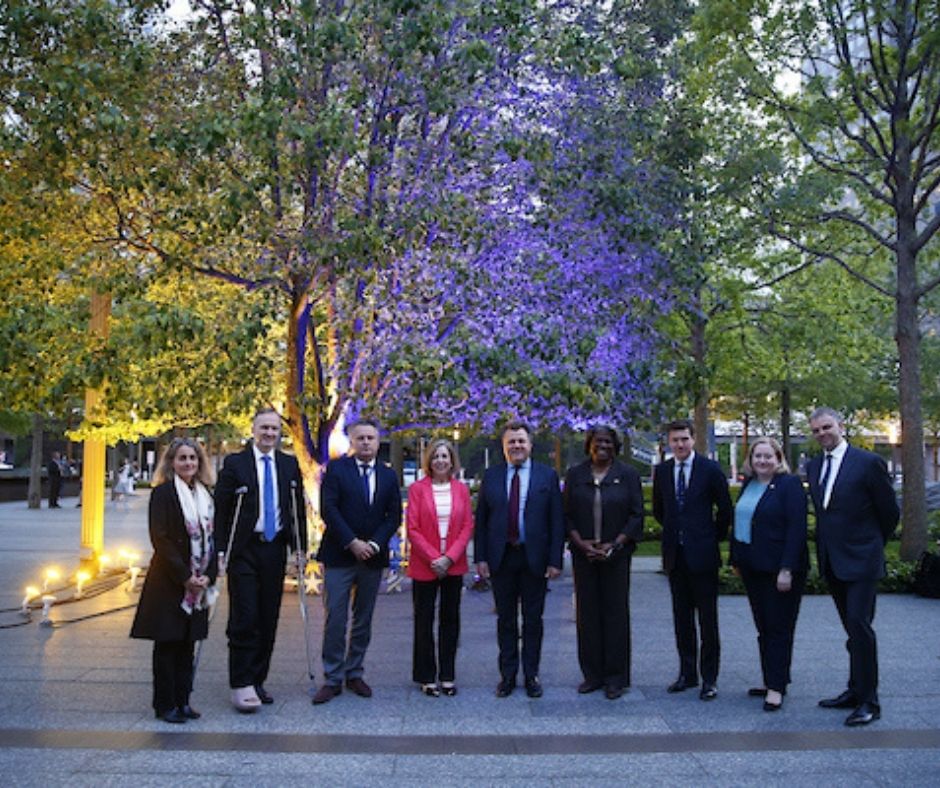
point(602, 600)
point(172, 674)
point(255, 586)
point(426, 669)
point(695, 593)
point(855, 601)
point(775, 614)
point(515, 586)
point(55, 489)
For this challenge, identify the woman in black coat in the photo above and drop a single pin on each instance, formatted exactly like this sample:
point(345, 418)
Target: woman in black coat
point(768, 551)
point(604, 521)
point(174, 604)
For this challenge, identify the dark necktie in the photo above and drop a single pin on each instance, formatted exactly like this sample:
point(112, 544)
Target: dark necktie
point(270, 515)
point(512, 532)
point(680, 486)
point(366, 470)
point(824, 481)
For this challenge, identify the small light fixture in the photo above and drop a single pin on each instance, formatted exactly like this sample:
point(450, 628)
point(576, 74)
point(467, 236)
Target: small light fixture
point(31, 593)
point(48, 600)
point(104, 561)
point(81, 577)
point(135, 573)
point(51, 574)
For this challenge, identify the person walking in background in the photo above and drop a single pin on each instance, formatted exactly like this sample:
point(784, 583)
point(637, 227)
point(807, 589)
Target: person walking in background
point(360, 501)
point(175, 600)
point(603, 502)
point(692, 503)
point(856, 514)
point(518, 544)
point(54, 470)
point(440, 524)
point(268, 484)
point(768, 551)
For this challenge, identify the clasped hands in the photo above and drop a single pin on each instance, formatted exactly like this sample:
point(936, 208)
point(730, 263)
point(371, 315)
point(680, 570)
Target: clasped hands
point(363, 550)
point(596, 551)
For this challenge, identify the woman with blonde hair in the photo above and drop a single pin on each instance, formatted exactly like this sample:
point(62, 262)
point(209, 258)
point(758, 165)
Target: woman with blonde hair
point(174, 603)
point(440, 525)
point(768, 551)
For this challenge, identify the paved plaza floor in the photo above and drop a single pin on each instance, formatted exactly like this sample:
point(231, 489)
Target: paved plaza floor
point(75, 704)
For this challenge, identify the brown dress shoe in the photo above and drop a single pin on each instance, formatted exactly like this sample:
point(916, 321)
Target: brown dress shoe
point(326, 693)
point(358, 686)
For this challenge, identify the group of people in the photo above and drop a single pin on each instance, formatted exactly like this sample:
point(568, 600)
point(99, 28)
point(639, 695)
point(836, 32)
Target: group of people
point(519, 528)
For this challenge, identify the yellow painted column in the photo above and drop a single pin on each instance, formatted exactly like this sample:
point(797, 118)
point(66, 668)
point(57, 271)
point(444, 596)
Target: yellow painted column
point(95, 451)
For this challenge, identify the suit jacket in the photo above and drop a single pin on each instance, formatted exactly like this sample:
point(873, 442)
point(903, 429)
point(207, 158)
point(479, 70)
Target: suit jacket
point(424, 533)
point(239, 470)
point(778, 529)
point(862, 515)
point(347, 515)
point(159, 615)
point(544, 519)
point(704, 519)
point(621, 504)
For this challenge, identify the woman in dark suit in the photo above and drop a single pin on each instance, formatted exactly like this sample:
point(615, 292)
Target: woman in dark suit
point(440, 525)
point(604, 521)
point(768, 551)
point(174, 603)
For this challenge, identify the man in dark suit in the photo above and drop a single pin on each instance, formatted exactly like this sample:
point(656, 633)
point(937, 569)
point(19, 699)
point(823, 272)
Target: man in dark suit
point(360, 501)
point(856, 513)
point(691, 502)
point(269, 486)
point(518, 544)
point(54, 469)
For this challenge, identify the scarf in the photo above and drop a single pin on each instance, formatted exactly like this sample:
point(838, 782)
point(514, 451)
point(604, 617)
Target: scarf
point(198, 511)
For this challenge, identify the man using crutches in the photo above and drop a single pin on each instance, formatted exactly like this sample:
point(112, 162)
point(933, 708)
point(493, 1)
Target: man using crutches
point(271, 518)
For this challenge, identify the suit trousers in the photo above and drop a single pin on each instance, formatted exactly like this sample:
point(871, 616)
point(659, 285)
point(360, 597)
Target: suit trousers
point(695, 592)
point(172, 674)
point(427, 670)
point(855, 601)
point(515, 584)
point(255, 585)
point(339, 584)
point(602, 599)
point(775, 614)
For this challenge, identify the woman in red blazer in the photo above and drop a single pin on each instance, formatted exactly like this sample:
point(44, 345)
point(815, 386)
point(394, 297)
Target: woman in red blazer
point(440, 524)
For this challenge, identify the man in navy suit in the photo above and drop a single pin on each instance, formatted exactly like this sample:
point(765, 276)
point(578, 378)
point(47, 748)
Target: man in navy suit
point(518, 544)
point(856, 513)
point(360, 502)
point(269, 485)
point(691, 502)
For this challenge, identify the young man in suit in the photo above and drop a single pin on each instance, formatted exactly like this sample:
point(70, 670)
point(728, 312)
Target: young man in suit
point(518, 544)
point(269, 485)
point(691, 502)
point(360, 501)
point(856, 513)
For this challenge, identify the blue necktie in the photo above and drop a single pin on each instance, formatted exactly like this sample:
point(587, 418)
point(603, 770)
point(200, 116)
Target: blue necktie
point(366, 470)
point(680, 486)
point(270, 515)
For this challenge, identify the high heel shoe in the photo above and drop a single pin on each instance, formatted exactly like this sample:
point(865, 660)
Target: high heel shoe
point(430, 690)
point(449, 689)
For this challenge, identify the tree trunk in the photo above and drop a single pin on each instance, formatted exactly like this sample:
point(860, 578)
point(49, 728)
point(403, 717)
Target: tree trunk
point(396, 452)
point(34, 493)
point(785, 422)
point(700, 408)
point(914, 502)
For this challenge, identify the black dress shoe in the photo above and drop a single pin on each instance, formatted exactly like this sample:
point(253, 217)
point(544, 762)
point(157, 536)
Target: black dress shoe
point(504, 688)
point(174, 716)
point(681, 684)
point(588, 686)
point(708, 691)
point(864, 714)
point(263, 695)
point(189, 712)
point(757, 692)
point(533, 687)
point(846, 700)
point(613, 691)
point(768, 706)
point(359, 686)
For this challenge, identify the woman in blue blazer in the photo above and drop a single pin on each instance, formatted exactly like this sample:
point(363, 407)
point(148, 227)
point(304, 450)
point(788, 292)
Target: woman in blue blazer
point(768, 551)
